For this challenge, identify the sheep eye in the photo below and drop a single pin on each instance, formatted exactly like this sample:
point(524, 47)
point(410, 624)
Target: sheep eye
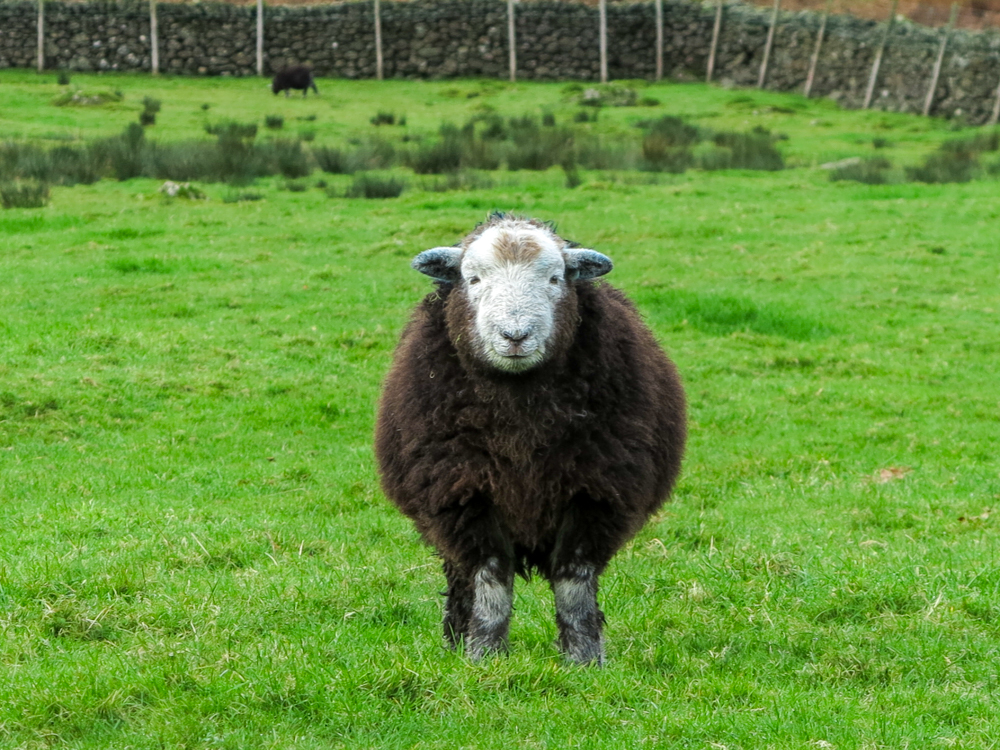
point(554, 280)
point(473, 280)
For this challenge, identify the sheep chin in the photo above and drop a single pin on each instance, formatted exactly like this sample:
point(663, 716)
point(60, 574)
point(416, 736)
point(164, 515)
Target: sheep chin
point(514, 364)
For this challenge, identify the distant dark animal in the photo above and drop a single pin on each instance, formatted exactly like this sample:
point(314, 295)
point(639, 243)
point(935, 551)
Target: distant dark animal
point(530, 421)
point(297, 77)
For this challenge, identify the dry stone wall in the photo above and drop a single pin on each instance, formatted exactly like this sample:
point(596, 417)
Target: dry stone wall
point(555, 41)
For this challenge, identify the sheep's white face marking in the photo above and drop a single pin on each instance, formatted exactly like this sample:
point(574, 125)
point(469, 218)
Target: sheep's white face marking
point(514, 275)
point(514, 279)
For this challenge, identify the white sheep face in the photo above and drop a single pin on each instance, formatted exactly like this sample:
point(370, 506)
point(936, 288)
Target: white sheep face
point(514, 275)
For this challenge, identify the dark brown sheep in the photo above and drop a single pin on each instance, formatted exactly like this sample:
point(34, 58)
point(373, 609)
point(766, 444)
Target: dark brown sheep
point(297, 77)
point(530, 421)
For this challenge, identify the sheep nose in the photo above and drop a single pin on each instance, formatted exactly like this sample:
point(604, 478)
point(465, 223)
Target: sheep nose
point(516, 337)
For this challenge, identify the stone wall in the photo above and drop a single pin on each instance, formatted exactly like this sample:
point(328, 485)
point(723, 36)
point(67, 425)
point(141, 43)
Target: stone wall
point(555, 41)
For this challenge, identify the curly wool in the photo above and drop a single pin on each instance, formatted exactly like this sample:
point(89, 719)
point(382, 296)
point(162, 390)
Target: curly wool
point(592, 438)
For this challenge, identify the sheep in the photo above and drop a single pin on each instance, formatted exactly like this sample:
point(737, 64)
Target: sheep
point(294, 77)
point(529, 422)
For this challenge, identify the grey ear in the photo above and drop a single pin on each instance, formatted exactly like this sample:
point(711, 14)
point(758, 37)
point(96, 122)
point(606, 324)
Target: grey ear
point(441, 263)
point(582, 263)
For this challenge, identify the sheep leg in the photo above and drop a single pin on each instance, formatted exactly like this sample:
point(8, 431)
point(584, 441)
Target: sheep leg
point(478, 607)
point(580, 620)
point(479, 566)
point(458, 604)
point(587, 540)
point(492, 603)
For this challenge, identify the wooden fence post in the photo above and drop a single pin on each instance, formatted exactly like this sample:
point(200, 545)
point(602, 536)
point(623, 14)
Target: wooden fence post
point(932, 89)
point(378, 41)
point(260, 37)
point(602, 11)
point(819, 45)
point(41, 35)
point(715, 41)
point(878, 56)
point(511, 41)
point(767, 46)
point(659, 40)
point(996, 109)
point(154, 39)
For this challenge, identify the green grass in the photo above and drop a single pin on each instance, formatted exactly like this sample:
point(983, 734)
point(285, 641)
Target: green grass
point(194, 552)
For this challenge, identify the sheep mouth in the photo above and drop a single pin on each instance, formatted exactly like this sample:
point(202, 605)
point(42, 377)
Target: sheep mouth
point(515, 361)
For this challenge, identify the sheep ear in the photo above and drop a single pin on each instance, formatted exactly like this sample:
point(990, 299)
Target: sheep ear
point(582, 263)
point(440, 263)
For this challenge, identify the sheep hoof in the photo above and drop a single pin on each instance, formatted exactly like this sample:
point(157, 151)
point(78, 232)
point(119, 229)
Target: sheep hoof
point(584, 651)
point(477, 652)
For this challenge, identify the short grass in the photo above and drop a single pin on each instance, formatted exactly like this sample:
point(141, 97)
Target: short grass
point(194, 552)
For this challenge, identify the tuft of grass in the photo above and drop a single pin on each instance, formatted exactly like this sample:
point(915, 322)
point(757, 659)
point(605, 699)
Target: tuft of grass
point(571, 173)
point(874, 171)
point(133, 265)
point(753, 150)
point(440, 156)
point(232, 129)
point(535, 148)
point(956, 160)
point(63, 78)
point(333, 160)
point(462, 180)
point(274, 122)
point(286, 157)
point(24, 194)
point(383, 118)
point(242, 196)
point(367, 185)
point(666, 146)
point(946, 166)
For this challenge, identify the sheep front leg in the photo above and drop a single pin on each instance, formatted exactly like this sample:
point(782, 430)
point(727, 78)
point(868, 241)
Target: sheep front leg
point(580, 620)
point(493, 601)
point(478, 606)
point(589, 535)
point(458, 603)
point(479, 566)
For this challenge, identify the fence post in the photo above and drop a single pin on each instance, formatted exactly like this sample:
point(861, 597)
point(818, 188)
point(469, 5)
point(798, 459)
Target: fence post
point(511, 41)
point(378, 41)
point(260, 37)
point(659, 40)
point(715, 41)
point(41, 35)
point(767, 45)
point(929, 101)
point(996, 110)
point(878, 56)
point(819, 45)
point(602, 11)
point(154, 39)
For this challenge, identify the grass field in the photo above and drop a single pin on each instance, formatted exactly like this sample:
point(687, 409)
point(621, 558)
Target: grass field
point(194, 552)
